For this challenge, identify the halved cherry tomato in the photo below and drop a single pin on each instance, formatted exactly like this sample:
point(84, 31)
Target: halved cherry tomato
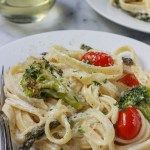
point(98, 59)
point(129, 80)
point(129, 123)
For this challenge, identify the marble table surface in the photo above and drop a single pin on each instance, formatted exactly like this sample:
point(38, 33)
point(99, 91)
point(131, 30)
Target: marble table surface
point(66, 15)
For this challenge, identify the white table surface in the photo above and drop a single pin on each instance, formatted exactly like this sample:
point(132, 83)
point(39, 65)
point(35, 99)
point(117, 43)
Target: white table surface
point(66, 15)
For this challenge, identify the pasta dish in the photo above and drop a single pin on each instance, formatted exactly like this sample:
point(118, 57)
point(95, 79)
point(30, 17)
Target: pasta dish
point(82, 99)
point(140, 9)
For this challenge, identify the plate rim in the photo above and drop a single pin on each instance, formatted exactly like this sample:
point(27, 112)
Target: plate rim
point(57, 31)
point(89, 2)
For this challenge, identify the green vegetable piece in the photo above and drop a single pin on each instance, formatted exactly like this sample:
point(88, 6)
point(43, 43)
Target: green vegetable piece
point(133, 97)
point(31, 137)
point(138, 97)
point(127, 61)
point(36, 134)
point(145, 109)
point(142, 16)
point(105, 81)
point(117, 2)
point(97, 83)
point(81, 130)
point(85, 47)
point(43, 80)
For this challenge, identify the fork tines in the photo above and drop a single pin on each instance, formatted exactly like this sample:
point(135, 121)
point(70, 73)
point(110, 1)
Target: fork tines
point(2, 94)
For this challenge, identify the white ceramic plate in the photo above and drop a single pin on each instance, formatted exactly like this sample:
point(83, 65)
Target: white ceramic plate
point(104, 8)
point(17, 51)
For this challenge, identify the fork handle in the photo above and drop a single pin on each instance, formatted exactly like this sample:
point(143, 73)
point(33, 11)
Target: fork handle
point(5, 137)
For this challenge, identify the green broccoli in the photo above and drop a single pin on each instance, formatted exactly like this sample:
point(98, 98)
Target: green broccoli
point(138, 97)
point(134, 96)
point(43, 80)
point(145, 109)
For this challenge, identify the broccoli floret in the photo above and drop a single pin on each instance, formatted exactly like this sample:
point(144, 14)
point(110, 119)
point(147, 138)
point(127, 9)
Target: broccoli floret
point(138, 97)
point(133, 96)
point(145, 109)
point(43, 80)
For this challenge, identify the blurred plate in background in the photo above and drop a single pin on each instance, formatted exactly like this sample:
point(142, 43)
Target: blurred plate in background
point(104, 8)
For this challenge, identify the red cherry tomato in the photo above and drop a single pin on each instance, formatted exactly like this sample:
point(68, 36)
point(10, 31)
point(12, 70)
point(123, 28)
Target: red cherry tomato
point(128, 124)
point(129, 80)
point(98, 59)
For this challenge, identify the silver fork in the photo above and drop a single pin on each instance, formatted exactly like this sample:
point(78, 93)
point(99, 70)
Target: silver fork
point(5, 137)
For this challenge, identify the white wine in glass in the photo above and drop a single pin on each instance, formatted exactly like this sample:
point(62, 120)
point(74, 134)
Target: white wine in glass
point(25, 11)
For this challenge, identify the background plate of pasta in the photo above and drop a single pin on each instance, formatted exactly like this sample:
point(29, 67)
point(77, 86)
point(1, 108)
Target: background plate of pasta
point(134, 14)
point(79, 90)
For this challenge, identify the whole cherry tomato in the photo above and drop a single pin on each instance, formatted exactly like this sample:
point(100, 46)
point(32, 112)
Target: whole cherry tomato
point(98, 59)
point(129, 123)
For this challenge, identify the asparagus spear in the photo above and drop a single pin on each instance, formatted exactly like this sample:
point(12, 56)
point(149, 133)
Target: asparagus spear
point(36, 134)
